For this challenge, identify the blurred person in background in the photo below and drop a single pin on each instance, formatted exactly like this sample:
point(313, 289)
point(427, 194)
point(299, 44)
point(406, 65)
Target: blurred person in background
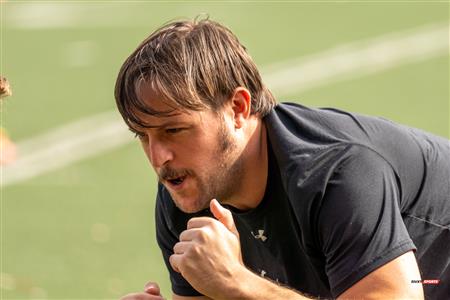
point(259, 200)
point(8, 148)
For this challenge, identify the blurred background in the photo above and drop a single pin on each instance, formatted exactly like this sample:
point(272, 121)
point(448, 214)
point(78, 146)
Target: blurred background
point(77, 204)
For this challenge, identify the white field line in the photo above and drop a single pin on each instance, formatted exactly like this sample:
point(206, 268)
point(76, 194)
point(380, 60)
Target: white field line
point(358, 59)
point(66, 145)
point(100, 133)
point(36, 15)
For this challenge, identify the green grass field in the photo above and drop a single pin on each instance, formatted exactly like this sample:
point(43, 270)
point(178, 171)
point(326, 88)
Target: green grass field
point(86, 230)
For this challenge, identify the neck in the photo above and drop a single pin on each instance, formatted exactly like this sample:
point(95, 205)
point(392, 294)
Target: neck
point(254, 181)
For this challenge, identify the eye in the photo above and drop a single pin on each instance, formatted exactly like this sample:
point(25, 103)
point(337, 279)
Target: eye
point(174, 130)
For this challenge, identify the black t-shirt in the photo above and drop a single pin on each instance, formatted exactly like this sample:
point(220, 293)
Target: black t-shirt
point(346, 194)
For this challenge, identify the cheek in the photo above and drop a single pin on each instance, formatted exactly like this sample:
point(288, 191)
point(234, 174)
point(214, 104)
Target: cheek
point(198, 145)
point(200, 157)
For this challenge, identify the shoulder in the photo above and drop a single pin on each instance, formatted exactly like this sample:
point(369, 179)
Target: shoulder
point(358, 171)
point(358, 220)
point(360, 163)
point(362, 189)
point(349, 166)
point(287, 112)
point(340, 182)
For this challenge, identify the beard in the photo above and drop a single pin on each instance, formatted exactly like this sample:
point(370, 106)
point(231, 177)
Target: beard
point(219, 180)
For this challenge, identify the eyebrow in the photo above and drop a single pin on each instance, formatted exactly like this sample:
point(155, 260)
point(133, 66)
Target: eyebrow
point(165, 124)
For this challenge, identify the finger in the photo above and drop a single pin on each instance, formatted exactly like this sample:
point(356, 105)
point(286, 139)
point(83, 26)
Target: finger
point(175, 260)
point(223, 215)
point(152, 288)
point(199, 222)
point(181, 247)
point(141, 296)
point(190, 234)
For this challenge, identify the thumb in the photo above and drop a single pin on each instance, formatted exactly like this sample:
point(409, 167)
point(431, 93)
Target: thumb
point(223, 215)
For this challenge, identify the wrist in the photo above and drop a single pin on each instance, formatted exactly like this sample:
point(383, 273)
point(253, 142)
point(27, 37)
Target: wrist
point(245, 284)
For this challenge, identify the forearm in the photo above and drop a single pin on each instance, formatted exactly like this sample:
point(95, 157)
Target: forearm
point(253, 286)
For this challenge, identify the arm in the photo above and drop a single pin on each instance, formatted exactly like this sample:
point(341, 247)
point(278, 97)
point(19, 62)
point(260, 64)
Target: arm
point(254, 287)
point(390, 281)
point(361, 232)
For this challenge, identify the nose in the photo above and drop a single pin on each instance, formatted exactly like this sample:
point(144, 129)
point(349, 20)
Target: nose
point(158, 152)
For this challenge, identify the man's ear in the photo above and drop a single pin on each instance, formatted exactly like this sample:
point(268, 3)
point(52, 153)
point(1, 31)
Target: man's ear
point(241, 105)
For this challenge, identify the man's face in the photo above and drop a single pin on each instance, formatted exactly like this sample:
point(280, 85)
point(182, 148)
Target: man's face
point(194, 154)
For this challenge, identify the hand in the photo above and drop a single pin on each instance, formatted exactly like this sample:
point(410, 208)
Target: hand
point(208, 255)
point(151, 292)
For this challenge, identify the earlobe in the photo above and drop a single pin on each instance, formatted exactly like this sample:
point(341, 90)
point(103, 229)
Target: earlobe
point(241, 105)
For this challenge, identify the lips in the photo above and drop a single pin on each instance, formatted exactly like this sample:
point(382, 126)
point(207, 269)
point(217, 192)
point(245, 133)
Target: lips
point(172, 178)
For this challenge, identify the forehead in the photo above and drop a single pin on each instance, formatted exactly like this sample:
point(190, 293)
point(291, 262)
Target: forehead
point(154, 101)
point(156, 111)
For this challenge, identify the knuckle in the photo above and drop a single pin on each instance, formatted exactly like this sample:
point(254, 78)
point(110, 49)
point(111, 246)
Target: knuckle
point(215, 226)
point(195, 250)
point(192, 248)
point(174, 262)
point(175, 248)
point(191, 222)
point(202, 235)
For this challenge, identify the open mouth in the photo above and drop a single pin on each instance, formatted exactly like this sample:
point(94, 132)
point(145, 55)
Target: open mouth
point(177, 180)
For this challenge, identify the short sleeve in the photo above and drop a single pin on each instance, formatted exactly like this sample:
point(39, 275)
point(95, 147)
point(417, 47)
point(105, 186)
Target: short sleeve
point(360, 226)
point(167, 234)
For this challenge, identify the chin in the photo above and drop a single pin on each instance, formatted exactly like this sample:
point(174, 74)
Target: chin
point(189, 206)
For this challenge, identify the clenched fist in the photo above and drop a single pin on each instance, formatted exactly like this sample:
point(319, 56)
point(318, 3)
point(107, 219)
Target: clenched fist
point(208, 254)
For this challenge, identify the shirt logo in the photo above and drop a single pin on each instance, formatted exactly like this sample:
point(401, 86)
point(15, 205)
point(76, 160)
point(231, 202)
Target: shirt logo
point(260, 235)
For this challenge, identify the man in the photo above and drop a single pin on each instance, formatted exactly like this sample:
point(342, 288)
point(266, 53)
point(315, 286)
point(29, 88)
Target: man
point(264, 201)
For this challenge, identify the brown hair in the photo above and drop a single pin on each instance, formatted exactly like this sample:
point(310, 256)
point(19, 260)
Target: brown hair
point(192, 65)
